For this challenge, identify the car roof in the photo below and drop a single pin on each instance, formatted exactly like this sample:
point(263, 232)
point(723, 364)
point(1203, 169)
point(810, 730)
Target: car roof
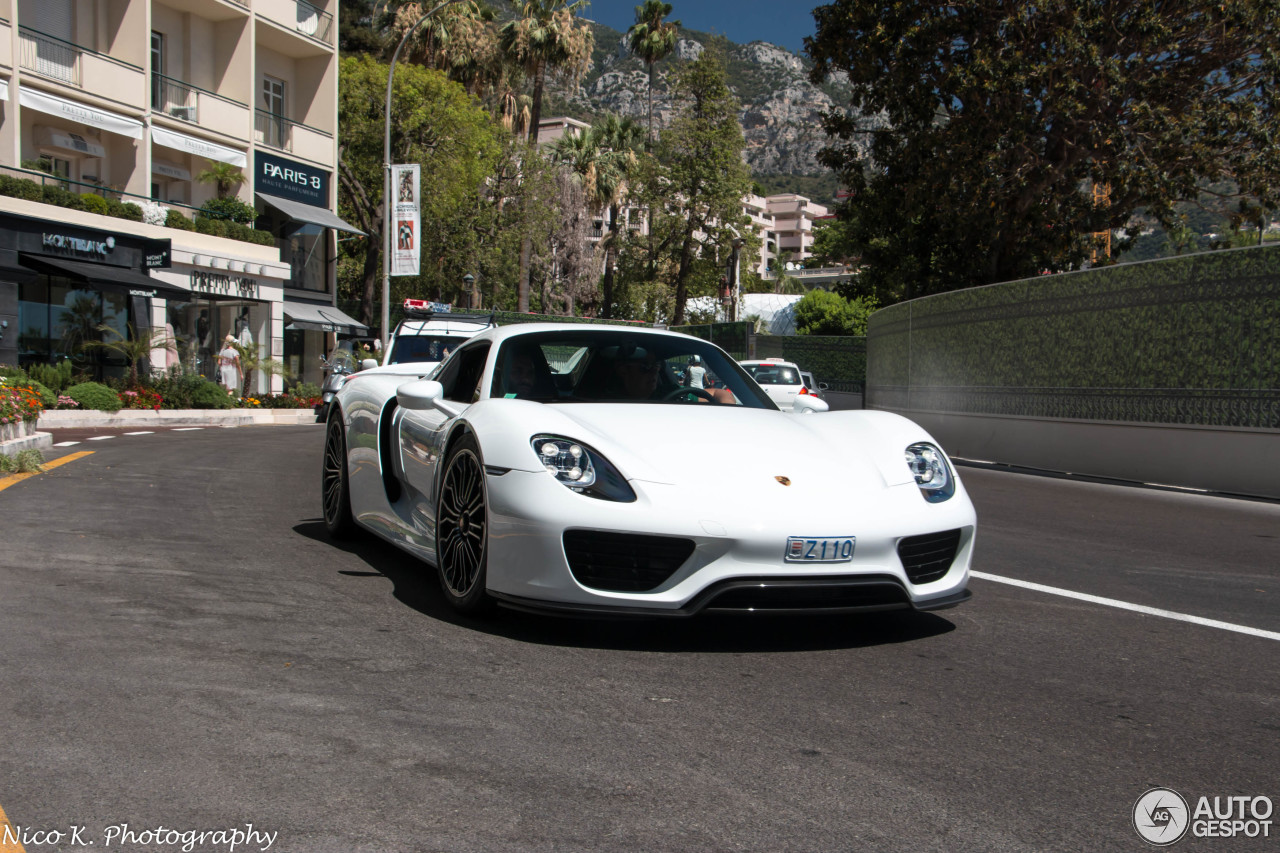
point(502, 333)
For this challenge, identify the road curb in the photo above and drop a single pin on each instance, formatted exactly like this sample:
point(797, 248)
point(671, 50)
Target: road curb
point(129, 418)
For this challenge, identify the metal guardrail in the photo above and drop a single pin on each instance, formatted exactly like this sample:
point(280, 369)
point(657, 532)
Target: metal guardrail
point(276, 131)
point(179, 99)
point(314, 22)
point(44, 179)
point(817, 272)
point(59, 59)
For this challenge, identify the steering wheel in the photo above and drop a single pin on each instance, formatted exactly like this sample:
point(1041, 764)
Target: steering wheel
point(693, 392)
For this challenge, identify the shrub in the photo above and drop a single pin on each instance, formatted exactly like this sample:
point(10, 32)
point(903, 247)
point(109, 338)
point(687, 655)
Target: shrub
point(94, 395)
point(23, 188)
point(56, 377)
point(56, 195)
point(210, 395)
point(25, 461)
point(231, 209)
point(95, 204)
point(305, 390)
point(175, 219)
point(126, 210)
point(8, 371)
point(47, 396)
point(212, 227)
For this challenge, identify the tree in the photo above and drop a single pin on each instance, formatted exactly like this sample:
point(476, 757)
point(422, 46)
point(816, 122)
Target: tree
point(546, 40)
point(652, 38)
point(605, 159)
point(434, 123)
point(224, 177)
point(705, 177)
point(820, 312)
point(992, 123)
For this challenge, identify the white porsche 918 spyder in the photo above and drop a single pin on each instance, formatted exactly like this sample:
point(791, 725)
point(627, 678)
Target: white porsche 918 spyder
point(566, 468)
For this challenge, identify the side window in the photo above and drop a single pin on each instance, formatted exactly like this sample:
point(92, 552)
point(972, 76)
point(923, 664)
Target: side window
point(460, 375)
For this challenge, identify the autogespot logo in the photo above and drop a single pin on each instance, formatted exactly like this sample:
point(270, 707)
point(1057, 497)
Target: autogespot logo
point(1160, 816)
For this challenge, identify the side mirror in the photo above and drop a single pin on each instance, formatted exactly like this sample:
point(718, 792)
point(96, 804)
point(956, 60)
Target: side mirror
point(822, 386)
point(423, 395)
point(368, 364)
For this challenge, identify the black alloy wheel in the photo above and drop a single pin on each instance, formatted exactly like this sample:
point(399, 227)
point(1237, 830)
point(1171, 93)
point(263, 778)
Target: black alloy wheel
point(462, 529)
point(335, 492)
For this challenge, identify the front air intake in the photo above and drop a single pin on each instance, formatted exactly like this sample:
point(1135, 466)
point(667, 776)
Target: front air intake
point(927, 558)
point(623, 562)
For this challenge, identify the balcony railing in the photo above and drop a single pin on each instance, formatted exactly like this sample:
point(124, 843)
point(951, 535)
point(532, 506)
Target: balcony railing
point(44, 179)
point(272, 130)
point(314, 21)
point(174, 98)
point(276, 131)
point(49, 56)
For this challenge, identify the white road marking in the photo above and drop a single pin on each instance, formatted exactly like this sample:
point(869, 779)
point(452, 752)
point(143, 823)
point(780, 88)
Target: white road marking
point(66, 443)
point(1136, 608)
point(144, 432)
point(101, 437)
point(185, 429)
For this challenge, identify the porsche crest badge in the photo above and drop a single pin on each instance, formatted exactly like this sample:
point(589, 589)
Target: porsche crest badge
point(786, 481)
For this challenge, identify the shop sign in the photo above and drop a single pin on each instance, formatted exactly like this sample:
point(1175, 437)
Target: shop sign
point(290, 179)
point(78, 245)
point(217, 284)
point(157, 255)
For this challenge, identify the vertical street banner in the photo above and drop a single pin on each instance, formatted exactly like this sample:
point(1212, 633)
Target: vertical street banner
point(405, 235)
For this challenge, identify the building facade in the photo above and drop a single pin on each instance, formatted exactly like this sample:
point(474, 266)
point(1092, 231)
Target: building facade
point(131, 101)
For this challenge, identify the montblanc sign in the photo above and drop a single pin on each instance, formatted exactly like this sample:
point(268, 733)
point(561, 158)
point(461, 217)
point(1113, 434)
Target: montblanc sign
point(67, 243)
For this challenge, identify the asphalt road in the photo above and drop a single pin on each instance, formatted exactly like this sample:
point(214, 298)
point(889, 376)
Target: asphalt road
point(182, 647)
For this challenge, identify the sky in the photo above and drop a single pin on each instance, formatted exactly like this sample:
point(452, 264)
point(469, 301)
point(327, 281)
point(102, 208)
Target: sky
point(777, 21)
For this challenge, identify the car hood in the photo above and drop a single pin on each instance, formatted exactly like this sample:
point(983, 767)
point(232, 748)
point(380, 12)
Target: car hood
point(728, 449)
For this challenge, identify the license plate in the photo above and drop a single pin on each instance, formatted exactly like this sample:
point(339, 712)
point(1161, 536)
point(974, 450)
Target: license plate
point(830, 549)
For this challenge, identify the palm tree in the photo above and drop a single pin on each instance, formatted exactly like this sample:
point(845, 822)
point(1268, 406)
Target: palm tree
point(253, 357)
point(652, 38)
point(605, 160)
point(545, 39)
point(223, 176)
point(132, 347)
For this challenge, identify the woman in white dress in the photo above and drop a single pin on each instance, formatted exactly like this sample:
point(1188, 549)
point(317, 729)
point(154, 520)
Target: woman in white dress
point(229, 366)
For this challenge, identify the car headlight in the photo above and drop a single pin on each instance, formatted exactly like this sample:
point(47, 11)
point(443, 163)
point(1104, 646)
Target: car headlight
point(581, 469)
point(931, 471)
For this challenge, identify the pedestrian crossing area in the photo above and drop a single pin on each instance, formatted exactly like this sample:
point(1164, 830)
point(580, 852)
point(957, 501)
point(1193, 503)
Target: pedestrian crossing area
point(109, 437)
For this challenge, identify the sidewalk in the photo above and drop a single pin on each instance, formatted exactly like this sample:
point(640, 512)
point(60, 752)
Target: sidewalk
point(139, 418)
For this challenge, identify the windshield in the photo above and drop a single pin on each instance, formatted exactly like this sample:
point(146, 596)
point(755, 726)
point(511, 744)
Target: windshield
point(415, 348)
point(773, 374)
point(621, 367)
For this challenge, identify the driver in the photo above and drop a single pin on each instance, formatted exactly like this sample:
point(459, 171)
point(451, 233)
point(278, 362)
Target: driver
point(637, 374)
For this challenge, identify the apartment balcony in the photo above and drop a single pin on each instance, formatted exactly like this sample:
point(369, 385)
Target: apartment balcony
point(72, 64)
point(188, 103)
point(276, 131)
point(59, 187)
point(304, 19)
point(6, 43)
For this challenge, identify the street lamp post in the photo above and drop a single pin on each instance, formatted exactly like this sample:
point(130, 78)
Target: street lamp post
point(469, 281)
point(386, 178)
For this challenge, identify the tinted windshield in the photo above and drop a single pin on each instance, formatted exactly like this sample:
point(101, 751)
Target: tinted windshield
point(773, 374)
point(414, 348)
point(622, 367)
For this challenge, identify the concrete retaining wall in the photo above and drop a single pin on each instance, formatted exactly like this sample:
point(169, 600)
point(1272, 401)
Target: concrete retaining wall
point(1222, 459)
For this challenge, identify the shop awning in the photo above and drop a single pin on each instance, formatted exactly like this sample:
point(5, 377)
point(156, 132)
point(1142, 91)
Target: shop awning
point(299, 212)
point(199, 147)
point(103, 275)
point(322, 318)
point(4, 90)
point(80, 113)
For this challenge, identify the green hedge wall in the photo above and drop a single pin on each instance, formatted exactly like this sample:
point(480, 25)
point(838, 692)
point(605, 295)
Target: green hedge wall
point(1191, 340)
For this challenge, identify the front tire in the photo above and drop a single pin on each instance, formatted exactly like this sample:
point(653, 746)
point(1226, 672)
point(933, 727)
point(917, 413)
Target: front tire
point(335, 489)
point(462, 529)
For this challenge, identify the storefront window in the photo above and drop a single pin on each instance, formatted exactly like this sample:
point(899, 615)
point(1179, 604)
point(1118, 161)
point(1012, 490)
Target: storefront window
point(201, 325)
point(306, 251)
point(57, 317)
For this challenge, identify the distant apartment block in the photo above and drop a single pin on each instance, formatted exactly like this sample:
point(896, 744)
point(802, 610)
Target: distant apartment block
point(130, 100)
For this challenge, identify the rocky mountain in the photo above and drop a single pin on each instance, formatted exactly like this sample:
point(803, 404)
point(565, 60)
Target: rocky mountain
point(781, 110)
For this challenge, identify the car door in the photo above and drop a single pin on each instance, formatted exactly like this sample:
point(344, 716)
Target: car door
point(422, 433)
